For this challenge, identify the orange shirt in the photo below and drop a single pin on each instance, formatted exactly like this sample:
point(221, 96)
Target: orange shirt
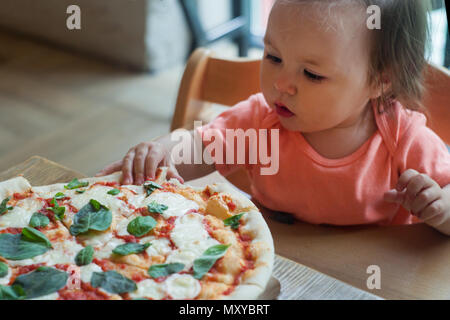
point(346, 191)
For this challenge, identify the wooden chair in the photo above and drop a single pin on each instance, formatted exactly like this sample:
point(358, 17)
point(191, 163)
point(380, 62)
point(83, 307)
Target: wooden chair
point(209, 80)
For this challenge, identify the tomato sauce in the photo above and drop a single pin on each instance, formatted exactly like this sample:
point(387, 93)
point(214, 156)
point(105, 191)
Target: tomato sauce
point(138, 277)
point(27, 269)
point(168, 187)
point(126, 238)
point(164, 231)
point(112, 184)
point(87, 292)
point(102, 263)
point(21, 196)
point(11, 230)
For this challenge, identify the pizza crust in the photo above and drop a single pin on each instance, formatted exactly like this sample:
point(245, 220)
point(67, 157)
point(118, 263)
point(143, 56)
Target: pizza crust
point(14, 185)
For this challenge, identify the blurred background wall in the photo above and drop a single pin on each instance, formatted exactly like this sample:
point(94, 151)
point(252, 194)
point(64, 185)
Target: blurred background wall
point(143, 34)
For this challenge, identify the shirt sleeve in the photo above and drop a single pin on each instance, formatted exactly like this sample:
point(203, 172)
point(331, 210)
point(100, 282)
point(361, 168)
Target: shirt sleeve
point(226, 152)
point(423, 150)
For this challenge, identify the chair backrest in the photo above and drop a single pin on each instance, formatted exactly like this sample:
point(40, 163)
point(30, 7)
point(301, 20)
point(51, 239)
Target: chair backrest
point(226, 82)
point(437, 100)
point(213, 80)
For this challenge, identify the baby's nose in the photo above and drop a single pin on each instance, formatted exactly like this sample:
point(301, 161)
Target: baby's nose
point(285, 86)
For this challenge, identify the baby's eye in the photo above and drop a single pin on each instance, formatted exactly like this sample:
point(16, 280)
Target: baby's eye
point(313, 77)
point(273, 58)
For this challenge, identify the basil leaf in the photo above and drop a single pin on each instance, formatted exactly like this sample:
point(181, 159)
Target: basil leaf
point(59, 196)
point(11, 293)
point(3, 206)
point(14, 247)
point(130, 248)
point(113, 282)
point(80, 191)
point(151, 186)
point(33, 235)
point(95, 204)
point(233, 221)
point(75, 184)
point(156, 207)
point(3, 270)
point(93, 216)
point(203, 264)
point(163, 270)
point(114, 192)
point(39, 220)
point(141, 226)
point(41, 282)
point(57, 210)
point(84, 257)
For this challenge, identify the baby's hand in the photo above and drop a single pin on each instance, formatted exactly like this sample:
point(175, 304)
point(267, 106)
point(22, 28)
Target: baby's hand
point(140, 164)
point(420, 195)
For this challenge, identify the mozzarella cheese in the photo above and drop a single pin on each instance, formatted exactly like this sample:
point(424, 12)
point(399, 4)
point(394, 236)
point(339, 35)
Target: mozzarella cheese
point(5, 280)
point(122, 225)
point(106, 250)
point(134, 199)
point(20, 215)
point(99, 193)
point(182, 286)
point(191, 238)
point(51, 296)
point(159, 247)
point(149, 289)
point(87, 271)
point(63, 252)
point(95, 239)
point(177, 204)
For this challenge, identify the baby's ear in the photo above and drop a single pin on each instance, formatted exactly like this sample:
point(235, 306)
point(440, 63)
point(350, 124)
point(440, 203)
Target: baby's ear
point(381, 87)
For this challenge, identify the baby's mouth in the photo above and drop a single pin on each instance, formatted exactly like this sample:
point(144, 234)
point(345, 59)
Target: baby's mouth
point(283, 111)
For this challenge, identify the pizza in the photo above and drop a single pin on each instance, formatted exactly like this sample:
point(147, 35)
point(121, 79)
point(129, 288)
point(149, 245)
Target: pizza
point(95, 239)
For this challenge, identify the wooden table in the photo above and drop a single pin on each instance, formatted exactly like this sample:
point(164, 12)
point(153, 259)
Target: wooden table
point(297, 280)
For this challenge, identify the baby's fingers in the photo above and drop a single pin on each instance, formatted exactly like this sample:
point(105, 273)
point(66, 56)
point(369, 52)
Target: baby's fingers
point(127, 167)
point(113, 167)
point(405, 179)
point(154, 157)
point(172, 172)
point(434, 213)
point(139, 163)
point(424, 199)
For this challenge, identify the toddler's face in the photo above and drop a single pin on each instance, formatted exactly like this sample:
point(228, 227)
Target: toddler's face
point(314, 74)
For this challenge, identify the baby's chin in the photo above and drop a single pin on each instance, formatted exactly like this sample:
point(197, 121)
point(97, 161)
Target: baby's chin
point(290, 124)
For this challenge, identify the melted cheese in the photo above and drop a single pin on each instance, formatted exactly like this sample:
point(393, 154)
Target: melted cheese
point(159, 247)
point(63, 252)
point(51, 296)
point(106, 250)
point(191, 238)
point(95, 239)
point(177, 204)
point(182, 286)
point(149, 289)
point(99, 193)
point(122, 225)
point(20, 215)
point(5, 280)
point(87, 271)
point(134, 199)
